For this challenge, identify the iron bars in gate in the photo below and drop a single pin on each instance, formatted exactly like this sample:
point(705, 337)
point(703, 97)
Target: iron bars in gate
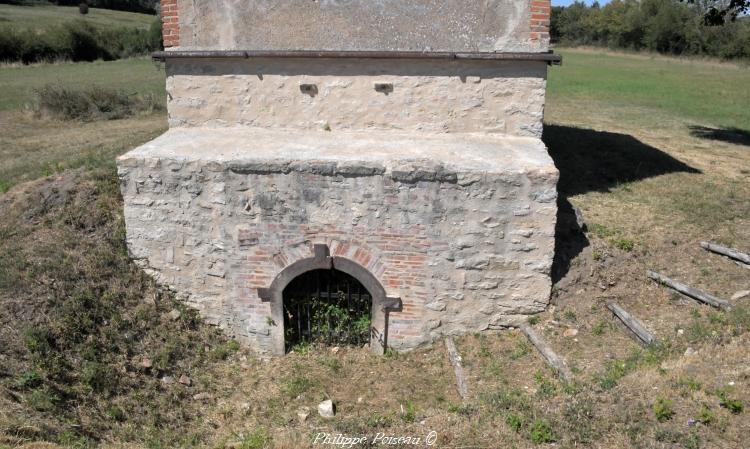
point(326, 306)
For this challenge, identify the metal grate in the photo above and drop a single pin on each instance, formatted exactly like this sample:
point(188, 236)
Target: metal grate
point(326, 307)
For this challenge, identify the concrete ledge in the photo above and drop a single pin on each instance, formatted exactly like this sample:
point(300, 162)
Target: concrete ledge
point(402, 157)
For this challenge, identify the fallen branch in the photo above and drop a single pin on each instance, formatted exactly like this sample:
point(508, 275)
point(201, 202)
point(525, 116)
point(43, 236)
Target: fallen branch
point(552, 359)
point(455, 358)
point(691, 292)
point(724, 251)
point(635, 327)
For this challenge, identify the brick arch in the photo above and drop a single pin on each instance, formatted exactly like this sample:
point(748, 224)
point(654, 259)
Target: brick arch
point(382, 304)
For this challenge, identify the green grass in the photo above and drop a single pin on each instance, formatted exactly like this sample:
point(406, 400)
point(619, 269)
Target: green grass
point(706, 93)
point(40, 17)
point(138, 75)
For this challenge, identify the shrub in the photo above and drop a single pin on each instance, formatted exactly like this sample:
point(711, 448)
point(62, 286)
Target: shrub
point(83, 8)
point(11, 44)
point(83, 42)
point(96, 103)
point(77, 41)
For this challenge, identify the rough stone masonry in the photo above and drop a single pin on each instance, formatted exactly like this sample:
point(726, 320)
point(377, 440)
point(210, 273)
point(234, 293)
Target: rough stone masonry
point(397, 141)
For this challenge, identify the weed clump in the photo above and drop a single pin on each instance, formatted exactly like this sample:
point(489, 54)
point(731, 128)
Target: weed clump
point(541, 432)
point(706, 416)
point(624, 244)
point(522, 415)
point(409, 412)
point(663, 409)
point(733, 405)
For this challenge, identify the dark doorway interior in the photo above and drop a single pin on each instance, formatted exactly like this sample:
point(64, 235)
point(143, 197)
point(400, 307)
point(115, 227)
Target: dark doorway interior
point(326, 307)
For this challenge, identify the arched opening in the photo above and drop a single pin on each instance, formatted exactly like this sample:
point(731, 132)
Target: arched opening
point(352, 274)
point(326, 306)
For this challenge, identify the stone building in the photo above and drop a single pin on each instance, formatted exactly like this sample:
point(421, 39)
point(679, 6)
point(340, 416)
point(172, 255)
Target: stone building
point(397, 142)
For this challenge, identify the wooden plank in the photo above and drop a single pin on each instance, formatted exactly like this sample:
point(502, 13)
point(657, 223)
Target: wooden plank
point(724, 251)
point(455, 358)
point(552, 359)
point(689, 291)
point(634, 326)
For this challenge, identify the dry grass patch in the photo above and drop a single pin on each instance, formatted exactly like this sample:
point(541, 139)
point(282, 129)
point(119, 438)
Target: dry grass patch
point(31, 148)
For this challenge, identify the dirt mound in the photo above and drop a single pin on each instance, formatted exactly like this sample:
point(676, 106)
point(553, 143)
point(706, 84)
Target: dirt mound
point(86, 339)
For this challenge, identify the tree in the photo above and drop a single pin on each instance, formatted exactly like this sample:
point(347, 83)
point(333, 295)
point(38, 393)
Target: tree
point(665, 26)
point(717, 11)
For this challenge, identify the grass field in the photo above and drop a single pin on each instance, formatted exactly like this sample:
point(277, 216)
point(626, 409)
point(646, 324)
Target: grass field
point(655, 153)
point(31, 148)
point(138, 75)
point(647, 88)
point(40, 17)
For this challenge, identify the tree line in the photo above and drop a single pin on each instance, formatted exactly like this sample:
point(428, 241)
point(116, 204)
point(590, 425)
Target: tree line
point(664, 26)
point(142, 6)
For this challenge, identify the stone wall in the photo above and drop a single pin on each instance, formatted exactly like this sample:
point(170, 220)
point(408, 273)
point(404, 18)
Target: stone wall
point(357, 25)
point(460, 227)
point(426, 174)
point(504, 97)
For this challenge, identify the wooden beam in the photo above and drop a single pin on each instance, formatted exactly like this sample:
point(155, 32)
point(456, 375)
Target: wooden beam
point(635, 327)
point(552, 359)
point(724, 251)
point(689, 291)
point(455, 358)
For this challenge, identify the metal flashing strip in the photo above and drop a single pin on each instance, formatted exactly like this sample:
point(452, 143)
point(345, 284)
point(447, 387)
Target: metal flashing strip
point(548, 57)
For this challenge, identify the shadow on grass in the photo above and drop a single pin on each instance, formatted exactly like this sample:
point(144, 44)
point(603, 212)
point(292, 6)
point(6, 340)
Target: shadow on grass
point(589, 161)
point(730, 135)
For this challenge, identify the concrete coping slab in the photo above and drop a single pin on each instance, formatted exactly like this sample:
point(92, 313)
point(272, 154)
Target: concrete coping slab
point(406, 157)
